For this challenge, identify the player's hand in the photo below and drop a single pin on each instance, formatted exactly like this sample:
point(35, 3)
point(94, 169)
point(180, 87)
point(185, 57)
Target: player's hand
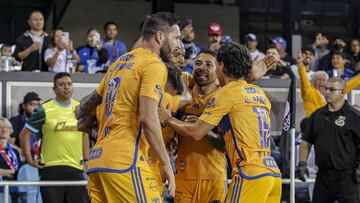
point(302, 170)
point(191, 118)
point(164, 114)
point(36, 164)
point(168, 175)
point(357, 175)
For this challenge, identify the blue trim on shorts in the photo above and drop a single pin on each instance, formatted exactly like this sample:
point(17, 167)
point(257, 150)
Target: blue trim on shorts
point(124, 170)
point(241, 184)
point(142, 184)
point(234, 192)
point(134, 185)
point(137, 185)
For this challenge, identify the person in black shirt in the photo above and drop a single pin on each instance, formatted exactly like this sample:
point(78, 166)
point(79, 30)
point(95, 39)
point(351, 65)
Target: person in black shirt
point(334, 130)
point(30, 102)
point(30, 46)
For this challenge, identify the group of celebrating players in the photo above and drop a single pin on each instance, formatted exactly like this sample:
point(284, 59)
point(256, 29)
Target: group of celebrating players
point(144, 99)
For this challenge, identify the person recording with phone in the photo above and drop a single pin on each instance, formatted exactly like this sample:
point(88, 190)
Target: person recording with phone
point(61, 56)
point(31, 45)
point(93, 57)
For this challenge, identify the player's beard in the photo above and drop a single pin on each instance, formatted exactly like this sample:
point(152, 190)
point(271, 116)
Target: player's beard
point(165, 52)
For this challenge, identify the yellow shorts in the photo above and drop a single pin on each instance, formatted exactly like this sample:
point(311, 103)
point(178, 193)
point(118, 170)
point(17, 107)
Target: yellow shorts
point(200, 191)
point(266, 189)
point(136, 185)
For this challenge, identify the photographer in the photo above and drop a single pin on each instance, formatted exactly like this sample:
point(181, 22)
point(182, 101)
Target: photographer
point(92, 55)
point(59, 58)
point(337, 46)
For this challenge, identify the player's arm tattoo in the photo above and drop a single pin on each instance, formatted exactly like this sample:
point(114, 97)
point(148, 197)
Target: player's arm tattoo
point(89, 102)
point(216, 141)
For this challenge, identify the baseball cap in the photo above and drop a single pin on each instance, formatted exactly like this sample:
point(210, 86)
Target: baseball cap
point(31, 96)
point(250, 37)
point(279, 40)
point(214, 29)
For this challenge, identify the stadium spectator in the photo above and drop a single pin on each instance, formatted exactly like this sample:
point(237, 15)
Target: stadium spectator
point(114, 47)
point(281, 45)
point(59, 58)
point(188, 39)
point(308, 58)
point(338, 45)
point(251, 43)
point(215, 36)
point(278, 69)
point(335, 125)
point(6, 60)
point(355, 53)
point(64, 150)
point(31, 45)
point(313, 94)
point(30, 102)
point(10, 160)
point(338, 68)
point(320, 47)
point(92, 56)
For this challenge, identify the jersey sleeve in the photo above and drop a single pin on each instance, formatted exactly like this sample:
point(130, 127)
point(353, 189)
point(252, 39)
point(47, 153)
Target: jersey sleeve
point(216, 109)
point(101, 88)
point(36, 120)
point(153, 80)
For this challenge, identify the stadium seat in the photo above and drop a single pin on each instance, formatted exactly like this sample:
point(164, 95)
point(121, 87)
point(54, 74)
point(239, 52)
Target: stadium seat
point(29, 173)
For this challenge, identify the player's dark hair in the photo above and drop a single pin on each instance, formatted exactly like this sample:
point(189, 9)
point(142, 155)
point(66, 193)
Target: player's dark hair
point(236, 58)
point(60, 75)
point(207, 51)
point(161, 21)
point(174, 77)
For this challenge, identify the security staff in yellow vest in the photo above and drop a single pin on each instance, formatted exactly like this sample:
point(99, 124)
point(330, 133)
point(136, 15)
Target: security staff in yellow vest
point(64, 150)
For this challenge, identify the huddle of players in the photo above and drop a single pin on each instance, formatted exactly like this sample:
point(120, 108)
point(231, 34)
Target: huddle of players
point(234, 117)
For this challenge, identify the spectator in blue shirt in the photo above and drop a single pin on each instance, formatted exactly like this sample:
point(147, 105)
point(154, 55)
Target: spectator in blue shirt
point(338, 63)
point(92, 54)
point(191, 49)
point(114, 47)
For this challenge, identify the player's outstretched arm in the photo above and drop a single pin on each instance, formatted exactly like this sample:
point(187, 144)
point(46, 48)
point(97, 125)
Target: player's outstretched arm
point(260, 68)
point(195, 130)
point(88, 104)
point(216, 141)
point(151, 126)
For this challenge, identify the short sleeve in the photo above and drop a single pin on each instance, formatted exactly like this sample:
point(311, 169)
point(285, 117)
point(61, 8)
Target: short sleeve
point(101, 88)
point(48, 54)
point(308, 134)
point(153, 80)
point(36, 120)
point(216, 109)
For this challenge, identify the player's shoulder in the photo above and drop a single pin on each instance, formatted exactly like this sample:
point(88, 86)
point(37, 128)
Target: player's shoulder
point(75, 102)
point(46, 103)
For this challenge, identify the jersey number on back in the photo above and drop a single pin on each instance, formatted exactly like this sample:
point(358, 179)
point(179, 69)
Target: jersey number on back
point(112, 88)
point(264, 127)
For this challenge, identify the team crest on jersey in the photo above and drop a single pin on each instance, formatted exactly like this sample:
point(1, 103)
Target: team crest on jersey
point(211, 103)
point(340, 121)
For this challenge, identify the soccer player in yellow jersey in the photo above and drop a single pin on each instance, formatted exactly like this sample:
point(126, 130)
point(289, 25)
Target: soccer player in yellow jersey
point(242, 110)
point(200, 167)
point(130, 94)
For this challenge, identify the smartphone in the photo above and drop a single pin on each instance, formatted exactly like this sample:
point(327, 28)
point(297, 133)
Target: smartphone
point(96, 38)
point(65, 37)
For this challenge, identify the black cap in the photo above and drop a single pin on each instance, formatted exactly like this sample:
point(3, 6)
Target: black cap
point(31, 96)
